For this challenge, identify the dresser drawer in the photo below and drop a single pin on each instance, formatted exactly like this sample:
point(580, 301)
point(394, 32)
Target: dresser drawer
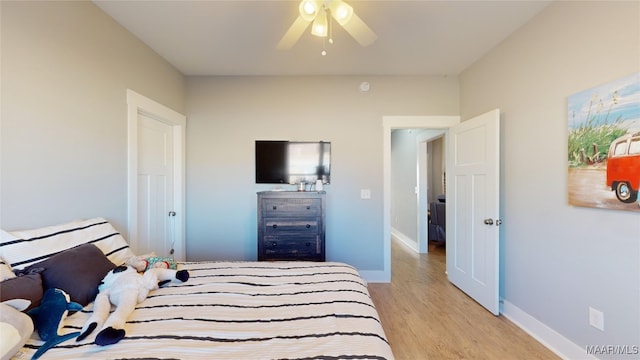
point(291, 225)
point(291, 207)
point(287, 246)
point(298, 226)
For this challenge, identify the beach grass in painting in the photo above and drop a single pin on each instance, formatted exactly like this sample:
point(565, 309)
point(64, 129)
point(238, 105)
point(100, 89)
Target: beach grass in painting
point(596, 118)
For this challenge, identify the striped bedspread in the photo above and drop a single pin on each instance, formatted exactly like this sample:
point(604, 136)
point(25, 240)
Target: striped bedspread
point(244, 310)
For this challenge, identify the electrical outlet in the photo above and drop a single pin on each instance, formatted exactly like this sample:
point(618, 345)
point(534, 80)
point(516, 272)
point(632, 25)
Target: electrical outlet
point(596, 318)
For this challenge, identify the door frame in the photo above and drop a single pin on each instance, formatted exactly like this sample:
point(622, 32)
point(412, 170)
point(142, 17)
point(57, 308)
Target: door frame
point(139, 104)
point(425, 160)
point(390, 123)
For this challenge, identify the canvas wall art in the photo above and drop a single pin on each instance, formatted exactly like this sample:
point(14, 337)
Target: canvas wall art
point(604, 145)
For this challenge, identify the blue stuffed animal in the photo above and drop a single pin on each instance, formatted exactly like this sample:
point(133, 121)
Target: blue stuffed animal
point(47, 318)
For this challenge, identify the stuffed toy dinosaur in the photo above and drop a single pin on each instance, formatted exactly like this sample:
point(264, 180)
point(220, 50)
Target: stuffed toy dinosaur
point(47, 318)
point(143, 263)
point(123, 287)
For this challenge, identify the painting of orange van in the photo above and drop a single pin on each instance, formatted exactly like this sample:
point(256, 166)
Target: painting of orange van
point(623, 167)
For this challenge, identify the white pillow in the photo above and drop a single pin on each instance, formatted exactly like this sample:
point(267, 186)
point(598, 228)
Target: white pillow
point(15, 326)
point(23, 248)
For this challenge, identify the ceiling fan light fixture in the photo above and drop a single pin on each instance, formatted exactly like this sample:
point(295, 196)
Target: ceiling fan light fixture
point(320, 27)
point(341, 11)
point(309, 9)
point(320, 14)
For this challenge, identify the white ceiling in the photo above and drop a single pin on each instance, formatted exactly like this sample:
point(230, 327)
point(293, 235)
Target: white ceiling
point(236, 37)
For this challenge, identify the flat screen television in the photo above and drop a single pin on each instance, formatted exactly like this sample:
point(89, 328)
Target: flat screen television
point(292, 162)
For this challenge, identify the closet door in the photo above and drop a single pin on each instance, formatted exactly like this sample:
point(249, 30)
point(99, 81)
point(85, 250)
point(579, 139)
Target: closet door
point(156, 159)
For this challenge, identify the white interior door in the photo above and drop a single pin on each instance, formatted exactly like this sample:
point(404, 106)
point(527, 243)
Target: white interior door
point(155, 186)
point(473, 168)
point(156, 159)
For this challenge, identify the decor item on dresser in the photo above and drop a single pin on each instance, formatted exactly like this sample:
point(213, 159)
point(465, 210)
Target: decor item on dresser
point(291, 225)
point(227, 310)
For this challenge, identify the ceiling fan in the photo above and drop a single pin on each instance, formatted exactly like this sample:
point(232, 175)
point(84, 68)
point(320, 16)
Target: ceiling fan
point(320, 13)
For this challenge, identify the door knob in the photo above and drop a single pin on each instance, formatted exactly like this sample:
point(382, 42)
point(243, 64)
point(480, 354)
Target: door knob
point(488, 221)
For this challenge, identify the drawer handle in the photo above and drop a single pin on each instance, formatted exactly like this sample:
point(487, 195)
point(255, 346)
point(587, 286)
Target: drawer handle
point(275, 207)
point(275, 226)
point(274, 244)
point(308, 207)
point(308, 226)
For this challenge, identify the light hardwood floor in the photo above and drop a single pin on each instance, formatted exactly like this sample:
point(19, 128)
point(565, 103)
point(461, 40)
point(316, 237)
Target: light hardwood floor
point(426, 317)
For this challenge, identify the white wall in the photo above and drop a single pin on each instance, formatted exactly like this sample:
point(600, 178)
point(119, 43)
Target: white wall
point(557, 259)
point(65, 69)
point(404, 175)
point(227, 114)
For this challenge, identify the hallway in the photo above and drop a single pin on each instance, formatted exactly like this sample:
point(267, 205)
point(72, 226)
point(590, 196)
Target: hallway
point(426, 317)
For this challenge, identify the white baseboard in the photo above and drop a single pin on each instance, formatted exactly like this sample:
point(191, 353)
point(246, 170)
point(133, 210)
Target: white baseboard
point(382, 276)
point(409, 242)
point(548, 337)
point(375, 276)
point(545, 335)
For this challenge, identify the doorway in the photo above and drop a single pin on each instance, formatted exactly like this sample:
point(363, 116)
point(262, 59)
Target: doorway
point(473, 167)
point(389, 123)
point(417, 179)
point(156, 160)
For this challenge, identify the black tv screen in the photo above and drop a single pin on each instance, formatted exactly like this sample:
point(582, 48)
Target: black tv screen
point(292, 162)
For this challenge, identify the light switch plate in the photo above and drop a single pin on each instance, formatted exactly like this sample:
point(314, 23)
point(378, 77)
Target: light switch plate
point(365, 194)
point(596, 318)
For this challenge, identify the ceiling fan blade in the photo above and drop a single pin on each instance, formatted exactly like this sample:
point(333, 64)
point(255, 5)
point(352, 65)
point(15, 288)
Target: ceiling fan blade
point(360, 31)
point(293, 34)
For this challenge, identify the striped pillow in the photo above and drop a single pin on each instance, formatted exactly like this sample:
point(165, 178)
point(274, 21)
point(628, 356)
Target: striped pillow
point(23, 248)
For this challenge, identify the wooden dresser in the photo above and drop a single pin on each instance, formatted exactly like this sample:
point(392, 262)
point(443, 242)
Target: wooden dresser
point(291, 225)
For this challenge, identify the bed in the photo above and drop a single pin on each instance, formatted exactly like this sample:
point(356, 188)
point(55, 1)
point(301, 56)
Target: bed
point(226, 310)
